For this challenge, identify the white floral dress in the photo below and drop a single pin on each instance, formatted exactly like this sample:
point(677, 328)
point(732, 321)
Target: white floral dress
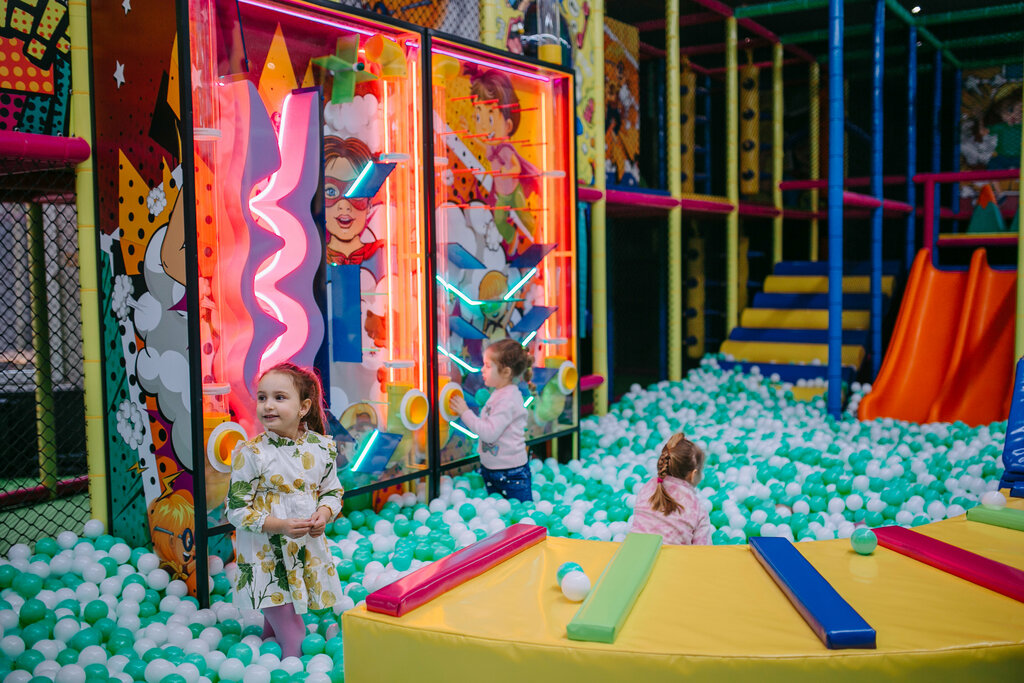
point(275, 476)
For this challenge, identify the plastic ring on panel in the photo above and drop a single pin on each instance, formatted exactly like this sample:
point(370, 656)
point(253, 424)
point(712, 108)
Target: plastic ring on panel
point(221, 443)
point(568, 377)
point(448, 392)
point(414, 409)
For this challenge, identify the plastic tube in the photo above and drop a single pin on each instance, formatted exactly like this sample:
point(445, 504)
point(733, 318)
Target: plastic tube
point(88, 260)
point(911, 246)
point(954, 202)
point(675, 188)
point(878, 83)
point(936, 138)
point(598, 247)
point(835, 207)
point(1019, 340)
point(46, 427)
point(732, 185)
point(1013, 9)
point(814, 113)
point(992, 39)
point(777, 151)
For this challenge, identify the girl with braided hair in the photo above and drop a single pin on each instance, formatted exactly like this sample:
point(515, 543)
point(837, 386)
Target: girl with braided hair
point(669, 505)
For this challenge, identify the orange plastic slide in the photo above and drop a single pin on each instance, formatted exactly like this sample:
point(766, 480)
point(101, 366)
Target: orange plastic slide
point(951, 353)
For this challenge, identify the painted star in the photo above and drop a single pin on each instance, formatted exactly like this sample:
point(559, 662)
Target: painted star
point(119, 73)
point(127, 4)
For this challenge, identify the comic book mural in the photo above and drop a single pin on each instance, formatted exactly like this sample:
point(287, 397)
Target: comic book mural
point(622, 103)
point(505, 231)
point(35, 66)
point(990, 130)
point(511, 29)
point(306, 232)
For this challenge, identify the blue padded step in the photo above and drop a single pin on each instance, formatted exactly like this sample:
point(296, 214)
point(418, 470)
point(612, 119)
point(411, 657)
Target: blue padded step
point(851, 302)
point(855, 337)
point(786, 372)
point(832, 618)
point(821, 268)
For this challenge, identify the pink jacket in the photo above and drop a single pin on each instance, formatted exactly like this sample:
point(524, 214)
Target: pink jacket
point(689, 526)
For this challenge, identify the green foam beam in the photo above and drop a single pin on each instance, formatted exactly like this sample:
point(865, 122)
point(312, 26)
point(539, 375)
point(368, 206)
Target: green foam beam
point(1004, 517)
point(604, 611)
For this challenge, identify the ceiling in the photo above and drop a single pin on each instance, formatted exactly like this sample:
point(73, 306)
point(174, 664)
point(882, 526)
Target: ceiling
point(858, 13)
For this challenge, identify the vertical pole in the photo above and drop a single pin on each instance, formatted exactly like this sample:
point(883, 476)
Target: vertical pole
point(954, 200)
point(598, 245)
point(489, 34)
point(1019, 345)
point(88, 264)
point(911, 242)
point(937, 137)
point(707, 134)
point(675, 188)
point(836, 122)
point(46, 423)
point(732, 177)
point(877, 113)
point(814, 112)
point(777, 151)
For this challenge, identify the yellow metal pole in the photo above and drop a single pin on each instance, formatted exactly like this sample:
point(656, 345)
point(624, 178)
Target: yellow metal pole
point(88, 265)
point(815, 142)
point(675, 188)
point(489, 33)
point(732, 185)
point(687, 127)
point(46, 422)
point(1020, 265)
point(777, 151)
point(598, 240)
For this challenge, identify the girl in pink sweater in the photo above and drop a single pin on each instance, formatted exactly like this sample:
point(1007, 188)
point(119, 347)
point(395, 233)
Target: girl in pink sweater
point(669, 505)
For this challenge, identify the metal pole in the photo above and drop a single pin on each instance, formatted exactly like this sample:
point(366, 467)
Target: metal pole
point(46, 422)
point(675, 188)
point(1019, 346)
point(598, 248)
point(732, 184)
point(835, 207)
point(954, 203)
point(814, 113)
point(908, 259)
point(777, 151)
point(877, 114)
point(937, 136)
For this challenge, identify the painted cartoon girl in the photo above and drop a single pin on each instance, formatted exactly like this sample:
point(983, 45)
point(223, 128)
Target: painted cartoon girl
point(350, 236)
point(496, 118)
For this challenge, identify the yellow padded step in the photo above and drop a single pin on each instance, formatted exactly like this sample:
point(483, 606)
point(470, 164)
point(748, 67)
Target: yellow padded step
point(777, 352)
point(807, 393)
point(818, 284)
point(801, 318)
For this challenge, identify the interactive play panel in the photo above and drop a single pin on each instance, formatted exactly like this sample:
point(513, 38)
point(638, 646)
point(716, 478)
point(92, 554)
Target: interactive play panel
point(708, 613)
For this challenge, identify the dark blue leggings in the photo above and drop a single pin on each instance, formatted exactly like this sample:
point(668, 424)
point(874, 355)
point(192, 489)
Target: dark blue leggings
point(515, 482)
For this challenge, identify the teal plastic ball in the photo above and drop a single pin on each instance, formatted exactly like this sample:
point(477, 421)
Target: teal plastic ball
point(863, 541)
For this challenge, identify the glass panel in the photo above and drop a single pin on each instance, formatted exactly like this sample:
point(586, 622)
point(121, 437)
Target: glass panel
point(505, 232)
point(309, 218)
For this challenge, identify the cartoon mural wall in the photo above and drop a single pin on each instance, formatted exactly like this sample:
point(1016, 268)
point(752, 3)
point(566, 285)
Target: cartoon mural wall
point(990, 129)
point(35, 66)
point(622, 103)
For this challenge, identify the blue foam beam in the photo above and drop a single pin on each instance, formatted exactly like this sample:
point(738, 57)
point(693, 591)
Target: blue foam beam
point(832, 619)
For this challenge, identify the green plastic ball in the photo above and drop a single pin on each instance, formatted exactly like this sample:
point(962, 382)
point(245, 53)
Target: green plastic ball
point(242, 652)
point(313, 644)
point(32, 611)
point(136, 668)
point(30, 659)
point(863, 541)
point(27, 585)
point(271, 647)
point(94, 611)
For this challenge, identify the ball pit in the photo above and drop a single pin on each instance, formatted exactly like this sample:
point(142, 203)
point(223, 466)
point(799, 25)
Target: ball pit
point(775, 467)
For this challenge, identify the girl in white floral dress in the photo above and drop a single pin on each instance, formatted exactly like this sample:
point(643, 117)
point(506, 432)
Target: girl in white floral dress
point(284, 491)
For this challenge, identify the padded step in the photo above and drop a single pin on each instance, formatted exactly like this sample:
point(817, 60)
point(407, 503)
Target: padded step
point(777, 352)
point(851, 302)
point(801, 319)
point(818, 284)
point(856, 337)
point(821, 268)
point(786, 372)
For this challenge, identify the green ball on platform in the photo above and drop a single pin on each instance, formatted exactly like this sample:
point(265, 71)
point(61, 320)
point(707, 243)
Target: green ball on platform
point(863, 541)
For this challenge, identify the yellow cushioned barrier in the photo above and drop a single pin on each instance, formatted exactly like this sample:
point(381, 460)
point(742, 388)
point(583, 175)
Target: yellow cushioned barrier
point(708, 613)
point(801, 319)
point(818, 284)
point(789, 352)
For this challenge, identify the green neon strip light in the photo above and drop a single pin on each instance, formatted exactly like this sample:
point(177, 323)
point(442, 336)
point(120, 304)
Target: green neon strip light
point(455, 290)
point(529, 338)
point(464, 430)
point(366, 450)
point(533, 271)
point(354, 187)
point(461, 363)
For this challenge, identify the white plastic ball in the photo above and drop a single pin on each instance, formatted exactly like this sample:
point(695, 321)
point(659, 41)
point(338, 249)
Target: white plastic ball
point(61, 564)
point(67, 539)
point(216, 565)
point(117, 663)
point(47, 669)
point(132, 623)
point(93, 528)
point(65, 629)
point(143, 645)
point(190, 672)
point(94, 572)
point(157, 670)
point(317, 678)
point(320, 663)
point(158, 579)
point(257, 673)
point(19, 551)
point(71, 673)
point(147, 563)
point(157, 632)
point(292, 665)
point(92, 654)
point(178, 635)
point(993, 499)
point(12, 646)
point(575, 586)
point(18, 676)
point(177, 588)
point(49, 648)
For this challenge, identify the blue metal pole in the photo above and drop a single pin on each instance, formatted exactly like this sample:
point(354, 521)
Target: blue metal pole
point(958, 76)
point(908, 259)
point(878, 78)
point(835, 207)
point(937, 137)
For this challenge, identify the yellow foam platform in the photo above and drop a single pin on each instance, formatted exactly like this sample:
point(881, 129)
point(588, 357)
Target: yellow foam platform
point(818, 284)
point(807, 393)
point(801, 319)
point(788, 352)
point(707, 613)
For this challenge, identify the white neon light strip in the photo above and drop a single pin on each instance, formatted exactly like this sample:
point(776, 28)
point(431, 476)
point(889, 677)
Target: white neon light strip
point(458, 361)
point(455, 290)
point(518, 285)
point(366, 449)
point(529, 338)
point(464, 430)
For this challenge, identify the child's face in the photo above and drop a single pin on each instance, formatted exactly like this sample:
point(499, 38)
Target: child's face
point(1012, 114)
point(278, 405)
point(494, 375)
point(346, 218)
point(488, 120)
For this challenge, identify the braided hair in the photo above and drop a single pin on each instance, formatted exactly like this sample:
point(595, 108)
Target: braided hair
point(678, 459)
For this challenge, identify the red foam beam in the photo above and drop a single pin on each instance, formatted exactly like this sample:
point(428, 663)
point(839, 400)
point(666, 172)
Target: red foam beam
point(949, 558)
point(428, 582)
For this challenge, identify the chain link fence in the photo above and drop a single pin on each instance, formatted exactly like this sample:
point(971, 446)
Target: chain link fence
point(43, 471)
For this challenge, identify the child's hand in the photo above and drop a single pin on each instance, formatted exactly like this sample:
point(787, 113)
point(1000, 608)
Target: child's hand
point(291, 527)
point(318, 522)
point(458, 404)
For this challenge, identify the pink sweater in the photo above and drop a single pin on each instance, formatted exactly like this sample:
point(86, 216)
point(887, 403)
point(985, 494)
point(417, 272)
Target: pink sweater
point(501, 427)
point(689, 526)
